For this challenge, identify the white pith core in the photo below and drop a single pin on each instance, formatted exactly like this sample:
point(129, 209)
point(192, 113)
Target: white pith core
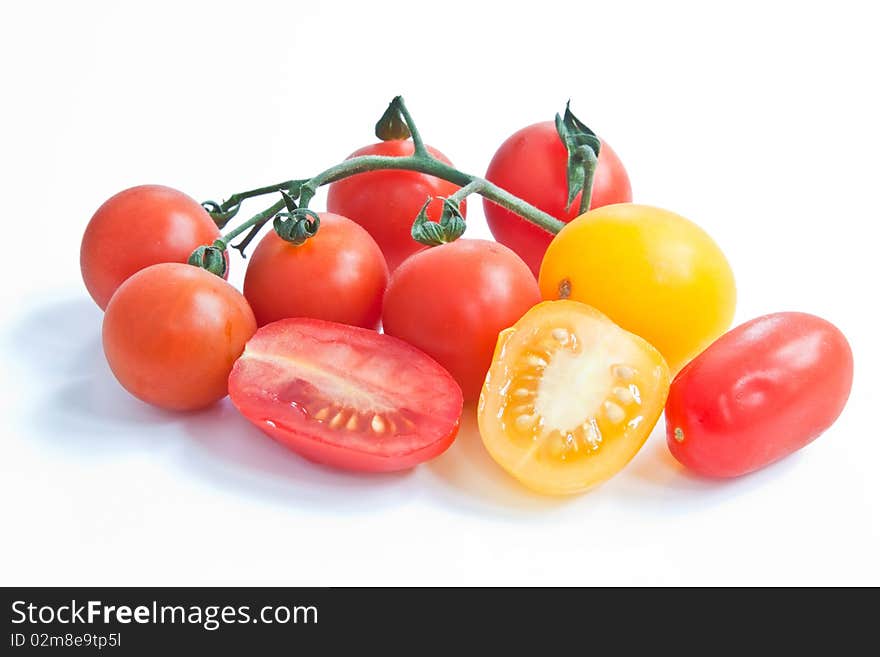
point(573, 387)
point(355, 398)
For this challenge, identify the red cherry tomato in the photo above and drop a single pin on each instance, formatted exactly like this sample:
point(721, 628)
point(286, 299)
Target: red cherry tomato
point(172, 332)
point(338, 275)
point(386, 202)
point(758, 393)
point(345, 396)
point(452, 301)
point(532, 164)
point(136, 228)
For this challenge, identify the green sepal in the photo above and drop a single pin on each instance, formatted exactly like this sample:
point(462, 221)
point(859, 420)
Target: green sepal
point(289, 202)
point(583, 148)
point(220, 216)
point(452, 220)
point(297, 226)
point(433, 233)
point(392, 124)
point(211, 258)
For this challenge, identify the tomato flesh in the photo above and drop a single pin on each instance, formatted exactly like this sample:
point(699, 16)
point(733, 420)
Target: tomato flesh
point(760, 392)
point(345, 396)
point(570, 397)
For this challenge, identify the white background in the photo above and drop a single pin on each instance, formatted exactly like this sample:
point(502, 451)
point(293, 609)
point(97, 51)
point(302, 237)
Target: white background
point(758, 121)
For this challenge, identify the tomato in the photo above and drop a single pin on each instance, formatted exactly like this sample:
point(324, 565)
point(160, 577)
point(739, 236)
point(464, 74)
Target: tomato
point(570, 398)
point(759, 393)
point(345, 396)
point(532, 164)
point(386, 202)
point(338, 275)
point(136, 228)
point(172, 332)
point(652, 271)
point(451, 301)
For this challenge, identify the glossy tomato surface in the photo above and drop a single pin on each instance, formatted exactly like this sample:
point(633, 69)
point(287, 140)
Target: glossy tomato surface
point(651, 271)
point(759, 393)
point(136, 228)
point(532, 164)
point(345, 396)
point(172, 332)
point(451, 301)
point(386, 202)
point(338, 275)
point(570, 398)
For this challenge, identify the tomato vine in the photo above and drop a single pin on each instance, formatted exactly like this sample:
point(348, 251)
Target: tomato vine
point(299, 221)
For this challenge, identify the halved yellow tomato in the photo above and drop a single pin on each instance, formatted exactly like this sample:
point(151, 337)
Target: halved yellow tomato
point(570, 397)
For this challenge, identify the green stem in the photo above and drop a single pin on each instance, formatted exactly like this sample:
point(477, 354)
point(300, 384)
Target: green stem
point(257, 222)
point(473, 187)
point(421, 161)
point(589, 172)
point(418, 145)
point(525, 210)
point(434, 167)
point(423, 164)
point(223, 213)
point(235, 199)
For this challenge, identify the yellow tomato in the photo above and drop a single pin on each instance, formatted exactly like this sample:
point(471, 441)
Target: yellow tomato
point(570, 397)
point(651, 271)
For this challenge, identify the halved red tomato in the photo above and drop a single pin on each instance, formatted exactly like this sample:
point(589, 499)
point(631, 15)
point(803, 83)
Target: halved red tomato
point(346, 396)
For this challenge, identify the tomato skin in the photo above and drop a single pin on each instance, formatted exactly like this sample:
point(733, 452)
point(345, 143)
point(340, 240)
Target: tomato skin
point(172, 332)
point(136, 228)
point(532, 164)
point(341, 458)
point(339, 275)
point(651, 271)
point(760, 392)
point(386, 202)
point(302, 380)
point(452, 301)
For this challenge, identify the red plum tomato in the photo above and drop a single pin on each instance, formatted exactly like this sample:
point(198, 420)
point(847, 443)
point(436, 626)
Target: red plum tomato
point(760, 392)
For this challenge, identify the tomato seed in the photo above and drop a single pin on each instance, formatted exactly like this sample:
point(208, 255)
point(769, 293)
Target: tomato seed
point(614, 412)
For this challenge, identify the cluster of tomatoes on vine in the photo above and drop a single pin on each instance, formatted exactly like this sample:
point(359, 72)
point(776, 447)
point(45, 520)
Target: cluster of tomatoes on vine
point(568, 328)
